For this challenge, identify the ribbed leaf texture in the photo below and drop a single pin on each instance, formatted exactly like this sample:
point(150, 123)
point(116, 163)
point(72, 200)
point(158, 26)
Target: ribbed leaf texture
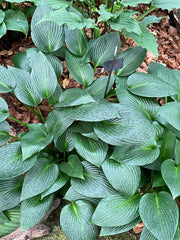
point(160, 214)
point(47, 36)
point(4, 113)
point(7, 82)
point(4, 132)
point(75, 220)
point(39, 178)
point(11, 161)
point(94, 185)
point(116, 211)
point(90, 149)
point(124, 178)
point(33, 210)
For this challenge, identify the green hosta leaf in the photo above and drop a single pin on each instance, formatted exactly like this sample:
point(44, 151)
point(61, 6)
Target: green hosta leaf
point(145, 106)
point(10, 192)
point(58, 184)
point(72, 195)
point(104, 14)
point(171, 175)
point(147, 235)
point(64, 142)
point(166, 4)
point(137, 154)
point(24, 60)
point(34, 209)
point(102, 49)
point(124, 178)
point(146, 39)
point(14, 221)
point(3, 29)
point(134, 3)
point(125, 20)
point(157, 180)
point(160, 214)
point(90, 149)
point(133, 57)
point(57, 123)
point(118, 211)
point(44, 82)
point(56, 64)
point(2, 15)
point(4, 132)
point(34, 141)
point(39, 178)
point(47, 36)
point(93, 112)
point(16, 20)
point(71, 19)
point(98, 87)
point(177, 78)
point(177, 235)
point(151, 19)
point(106, 231)
point(94, 185)
point(148, 85)
point(7, 82)
point(73, 167)
point(82, 73)
point(167, 145)
point(74, 97)
point(138, 131)
point(53, 3)
point(177, 152)
point(3, 218)
point(75, 42)
point(169, 113)
point(24, 90)
point(55, 97)
point(75, 220)
point(4, 113)
point(11, 161)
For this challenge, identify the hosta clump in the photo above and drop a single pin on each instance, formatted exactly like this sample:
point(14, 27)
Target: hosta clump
point(116, 160)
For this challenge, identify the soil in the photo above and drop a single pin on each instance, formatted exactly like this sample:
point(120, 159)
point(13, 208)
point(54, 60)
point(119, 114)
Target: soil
point(167, 33)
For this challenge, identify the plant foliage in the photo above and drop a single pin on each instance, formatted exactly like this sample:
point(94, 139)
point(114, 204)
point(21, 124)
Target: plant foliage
point(107, 147)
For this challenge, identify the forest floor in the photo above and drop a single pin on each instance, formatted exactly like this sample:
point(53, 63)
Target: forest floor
point(168, 38)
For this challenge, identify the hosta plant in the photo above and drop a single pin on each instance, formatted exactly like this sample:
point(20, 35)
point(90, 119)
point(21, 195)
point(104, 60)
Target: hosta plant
point(108, 148)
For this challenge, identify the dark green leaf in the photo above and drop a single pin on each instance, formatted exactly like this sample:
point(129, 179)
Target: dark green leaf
point(82, 73)
point(147, 235)
point(14, 221)
point(103, 48)
point(124, 178)
point(16, 20)
point(133, 57)
point(34, 141)
point(151, 19)
point(75, 42)
point(90, 149)
point(47, 36)
point(57, 123)
point(3, 29)
point(93, 112)
point(24, 90)
point(171, 175)
point(4, 132)
point(39, 178)
point(58, 184)
point(160, 214)
point(10, 192)
point(34, 207)
point(7, 82)
point(64, 142)
point(75, 220)
point(2, 15)
point(4, 113)
point(73, 167)
point(157, 180)
point(106, 231)
point(56, 64)
point(94, 185)
point(44, 82)
point(116, 211)
point(11, 161)
point(74, 97)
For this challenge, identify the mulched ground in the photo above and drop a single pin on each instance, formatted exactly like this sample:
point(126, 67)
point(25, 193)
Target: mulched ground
point(168, 38)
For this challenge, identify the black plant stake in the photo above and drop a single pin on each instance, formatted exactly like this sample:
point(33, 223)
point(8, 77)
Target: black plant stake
point(114, 57)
